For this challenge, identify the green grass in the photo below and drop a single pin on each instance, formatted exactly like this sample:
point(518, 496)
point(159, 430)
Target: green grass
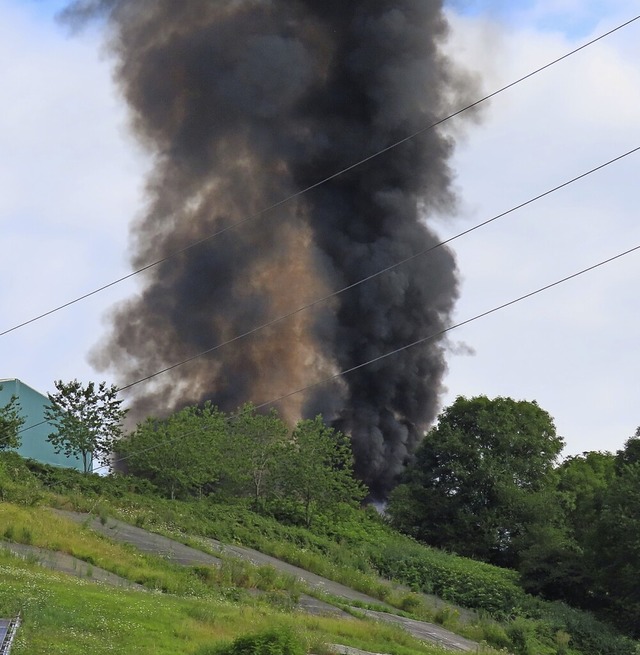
point(353, 547)
point(76, 617)
point(40, 527)
point(43, 528)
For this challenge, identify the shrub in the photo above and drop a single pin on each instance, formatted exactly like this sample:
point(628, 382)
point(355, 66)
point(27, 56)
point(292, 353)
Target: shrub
point(410, 602)
point(455, 579)
point(494, 635)
point(589, 635)
point(518, 632)
point(26, 536)
point(446, 615)
point(17, 484)
point(563, 639)
point(276, 641)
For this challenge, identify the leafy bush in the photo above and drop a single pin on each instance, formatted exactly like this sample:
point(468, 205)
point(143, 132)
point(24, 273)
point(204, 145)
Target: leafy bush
point(455, 579)
point(17, 484)
point(276, 641)
point(589, 635)
point(494, 634)
point(410, 602)
point(563, 639)
point(446, 616)
point(62, 480)
point(519, 633)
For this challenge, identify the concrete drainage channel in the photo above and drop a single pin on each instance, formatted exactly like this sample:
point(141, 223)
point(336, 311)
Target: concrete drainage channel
point(155, 544)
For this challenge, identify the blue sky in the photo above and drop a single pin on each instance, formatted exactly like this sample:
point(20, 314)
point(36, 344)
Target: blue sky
point(574, 18)
point(39, 9)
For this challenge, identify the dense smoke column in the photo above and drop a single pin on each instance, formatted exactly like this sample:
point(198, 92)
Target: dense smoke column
point(243, 103)
point(386, 80)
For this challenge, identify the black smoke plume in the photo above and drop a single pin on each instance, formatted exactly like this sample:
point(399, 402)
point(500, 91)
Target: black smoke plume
point(242, 103)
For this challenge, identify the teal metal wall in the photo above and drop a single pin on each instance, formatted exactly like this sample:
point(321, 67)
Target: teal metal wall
point(35, 431)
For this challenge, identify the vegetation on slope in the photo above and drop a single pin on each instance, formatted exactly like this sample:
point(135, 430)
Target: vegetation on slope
point(355, 550)
point(71, 616)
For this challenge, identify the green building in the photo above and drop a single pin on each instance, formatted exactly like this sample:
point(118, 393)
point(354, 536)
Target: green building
point(35, 430)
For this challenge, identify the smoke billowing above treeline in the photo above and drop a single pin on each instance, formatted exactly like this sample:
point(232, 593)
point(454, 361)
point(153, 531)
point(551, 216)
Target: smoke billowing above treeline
point(243, 103)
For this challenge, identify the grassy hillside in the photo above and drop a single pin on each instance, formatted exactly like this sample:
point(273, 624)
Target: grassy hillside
point(191, 609)
point(63, 614)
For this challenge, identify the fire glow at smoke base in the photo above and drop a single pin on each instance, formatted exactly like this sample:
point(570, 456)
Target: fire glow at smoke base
point(243, 103)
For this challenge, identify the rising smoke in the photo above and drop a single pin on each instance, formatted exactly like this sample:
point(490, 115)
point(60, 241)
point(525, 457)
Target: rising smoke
point(242, 103)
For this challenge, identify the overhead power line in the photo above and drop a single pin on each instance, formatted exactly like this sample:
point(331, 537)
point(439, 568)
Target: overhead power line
point(380, 272)
point(435, 335)
point(315, 185)
point(391, 353)
point(369, 277)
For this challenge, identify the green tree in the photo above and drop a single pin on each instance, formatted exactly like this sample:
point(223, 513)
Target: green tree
point(87, 420)
point(582, 482)
point(558, 562)
point(11, 421)
point(476, 482)
point(616, 543)
point(317, 469)
point(630, 454)
point(182, 454)
point(549, 560)
point(254, 444)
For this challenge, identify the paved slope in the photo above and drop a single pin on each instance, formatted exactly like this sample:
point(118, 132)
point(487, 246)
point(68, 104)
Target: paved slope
point(314, 581)
point(153, 543)
point(67, 564)
point(145, 541)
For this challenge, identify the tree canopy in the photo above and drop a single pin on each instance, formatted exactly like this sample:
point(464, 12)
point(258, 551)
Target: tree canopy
point(87, 420)
point(479, 477)
point(317, 468)
point(615, 546)
point(182, 455)
point(254, 447)
point(247, 455)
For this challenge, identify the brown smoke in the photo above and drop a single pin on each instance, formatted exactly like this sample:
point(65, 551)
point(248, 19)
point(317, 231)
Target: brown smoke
point(242, 103)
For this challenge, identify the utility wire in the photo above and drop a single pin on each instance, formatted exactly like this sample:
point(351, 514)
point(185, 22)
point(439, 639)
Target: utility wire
point(299, 193)
point(370, 277)
point(285, 200)
point(434, 335)
point(380, 272)
point(452, 327)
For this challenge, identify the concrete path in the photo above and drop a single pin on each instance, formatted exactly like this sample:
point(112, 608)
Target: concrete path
point(425, 631)
point(434, 634)
point(145, 541)
point(67, 564)
point(152, 543)
point(316, 582)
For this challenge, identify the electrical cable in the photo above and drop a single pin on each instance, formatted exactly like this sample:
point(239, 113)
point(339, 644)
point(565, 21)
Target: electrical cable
point(380, 272)
point(315, 185)
point(372, 276)
point(397, 350)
